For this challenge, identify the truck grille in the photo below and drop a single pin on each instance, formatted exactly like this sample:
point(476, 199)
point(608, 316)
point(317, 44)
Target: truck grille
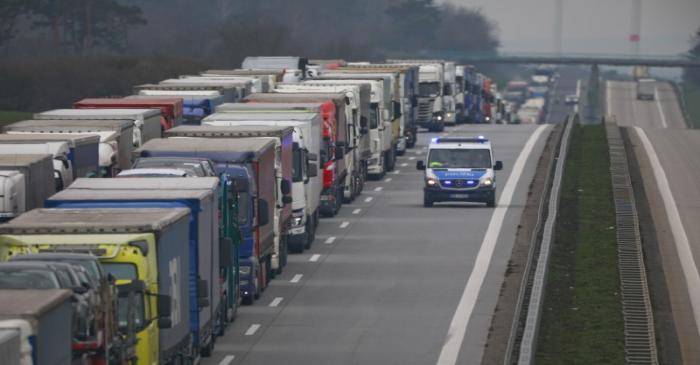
point(425, 110)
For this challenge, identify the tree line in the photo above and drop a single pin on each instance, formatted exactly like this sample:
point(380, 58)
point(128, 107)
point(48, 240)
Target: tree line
point(210, 29)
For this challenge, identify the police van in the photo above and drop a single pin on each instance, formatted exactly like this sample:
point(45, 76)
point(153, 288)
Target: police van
point(460, 169)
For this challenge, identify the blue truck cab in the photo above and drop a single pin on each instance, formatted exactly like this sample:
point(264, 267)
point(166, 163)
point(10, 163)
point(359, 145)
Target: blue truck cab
point(460, 169)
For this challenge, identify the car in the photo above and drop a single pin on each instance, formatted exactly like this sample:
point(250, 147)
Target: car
point(571, 99)
point(460, 169)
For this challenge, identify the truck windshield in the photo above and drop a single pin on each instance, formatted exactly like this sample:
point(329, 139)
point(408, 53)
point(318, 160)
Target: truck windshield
point(429, 89)
point(460, 158)
point(297, 168)
point(374, 116)
point(121, 271)
point(28, 279)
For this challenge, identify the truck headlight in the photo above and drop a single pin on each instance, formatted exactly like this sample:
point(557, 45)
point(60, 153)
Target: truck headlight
point(297, 221)
point(487, 182)
point(431, 182)
point(439, 117)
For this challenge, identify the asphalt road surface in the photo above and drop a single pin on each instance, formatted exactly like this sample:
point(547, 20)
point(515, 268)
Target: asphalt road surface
point(391, 282)
point(667, 155)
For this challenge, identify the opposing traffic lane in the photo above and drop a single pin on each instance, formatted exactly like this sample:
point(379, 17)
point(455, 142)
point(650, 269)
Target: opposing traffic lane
point(387, 285)
point(663, 112)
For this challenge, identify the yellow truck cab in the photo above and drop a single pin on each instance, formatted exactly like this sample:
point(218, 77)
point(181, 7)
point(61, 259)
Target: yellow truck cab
point(147, 246)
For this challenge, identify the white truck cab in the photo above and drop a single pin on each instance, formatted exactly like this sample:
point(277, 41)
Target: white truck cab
point(460, 169)
point(62, 166)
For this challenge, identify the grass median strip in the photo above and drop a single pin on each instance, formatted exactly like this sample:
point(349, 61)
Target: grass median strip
point(7, 117)
point(582, 314)
point(691, 93)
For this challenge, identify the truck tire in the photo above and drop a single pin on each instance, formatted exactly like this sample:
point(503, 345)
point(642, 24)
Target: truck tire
point(349, 199)
point(427, 200)
point(207, 350)
point(411, 140)
point(310, 234)
point(390, 159)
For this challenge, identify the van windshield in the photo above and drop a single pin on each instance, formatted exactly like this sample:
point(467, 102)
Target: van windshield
point(460, 158)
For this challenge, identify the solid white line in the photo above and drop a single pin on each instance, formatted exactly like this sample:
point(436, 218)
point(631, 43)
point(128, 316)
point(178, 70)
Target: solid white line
point(404, 164)
point(661, 110)
point(368, 199)
point(315, 257)
point(252, 329)
point(276, 302)
point(344, 224)
point(330, 240)
point(378, 188)
point(685, 254)
point(356, 211)
point(296, 278)
point(228, 359)
point(388, 179)
point(460, 320)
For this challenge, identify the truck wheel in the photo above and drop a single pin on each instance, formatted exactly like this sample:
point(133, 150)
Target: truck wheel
point(208, 349)
point(411, 140)
point(310, 234)
point(390, 159)
point(427, 201)
point(349, 199)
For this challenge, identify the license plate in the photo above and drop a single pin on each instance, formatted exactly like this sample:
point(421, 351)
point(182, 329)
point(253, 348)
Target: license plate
point(459, 196)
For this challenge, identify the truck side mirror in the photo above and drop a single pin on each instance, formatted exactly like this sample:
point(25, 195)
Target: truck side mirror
point(312, 170)
point(202, 293)
point(63, 160)
point(164, 306)
point(397, 109)
point(420, 165)
point(263, 212)
point(498, 166)
point(285, 187)
point(225, 252)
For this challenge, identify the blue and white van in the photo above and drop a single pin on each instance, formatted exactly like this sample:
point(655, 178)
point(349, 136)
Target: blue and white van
point(460, 169)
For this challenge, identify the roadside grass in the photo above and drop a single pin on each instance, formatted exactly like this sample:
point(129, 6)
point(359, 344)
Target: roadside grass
point(691, 94)
point(7, 117)
point(582, 313)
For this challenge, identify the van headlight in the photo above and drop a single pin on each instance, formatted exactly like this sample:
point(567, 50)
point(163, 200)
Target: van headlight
point(431, 181)
point(487, 182)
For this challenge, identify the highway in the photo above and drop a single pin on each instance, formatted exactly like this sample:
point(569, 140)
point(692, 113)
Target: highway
point(666, 152)
point(388, 281)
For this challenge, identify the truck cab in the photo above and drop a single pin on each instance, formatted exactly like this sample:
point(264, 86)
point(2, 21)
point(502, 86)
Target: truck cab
point(197, 102)
point(460, 169)
point(62, 165)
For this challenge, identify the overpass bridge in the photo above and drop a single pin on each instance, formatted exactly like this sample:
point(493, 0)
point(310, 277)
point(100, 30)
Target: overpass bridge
point(563, 58)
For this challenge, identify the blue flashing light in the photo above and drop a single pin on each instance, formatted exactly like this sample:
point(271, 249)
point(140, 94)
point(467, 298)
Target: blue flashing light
point(434, 140)
point(448, 182)
point(482, 137)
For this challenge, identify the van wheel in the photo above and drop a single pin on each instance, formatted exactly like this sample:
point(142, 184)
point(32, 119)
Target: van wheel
point(491, 202)
point(427, 201)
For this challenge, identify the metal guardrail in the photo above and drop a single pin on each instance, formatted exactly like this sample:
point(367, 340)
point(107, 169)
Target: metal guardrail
point(640, 338)
point(523, 339)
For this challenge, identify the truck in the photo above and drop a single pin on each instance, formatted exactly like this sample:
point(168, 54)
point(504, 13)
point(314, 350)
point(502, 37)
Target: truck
point(114, 150)
point(334, 141)
point(83, 149)
point(146, 249)
point(408, 87)
point(532, 111)
point(170, 108)
point(383, 139)
point(40, 320)
point(197, 102)
point(62, 169)
point(646, 89)
point(27, 181)
point(199, 195)
point(146, 121)
point(269, 78)
point(284, 165)
point(250, 165)
point(307, 183)
point(357, 153)
point(294, 68)
point(432, 105)
point(235, 87)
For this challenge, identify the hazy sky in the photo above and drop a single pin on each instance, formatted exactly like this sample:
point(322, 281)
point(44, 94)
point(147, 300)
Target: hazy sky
point(591, 25)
